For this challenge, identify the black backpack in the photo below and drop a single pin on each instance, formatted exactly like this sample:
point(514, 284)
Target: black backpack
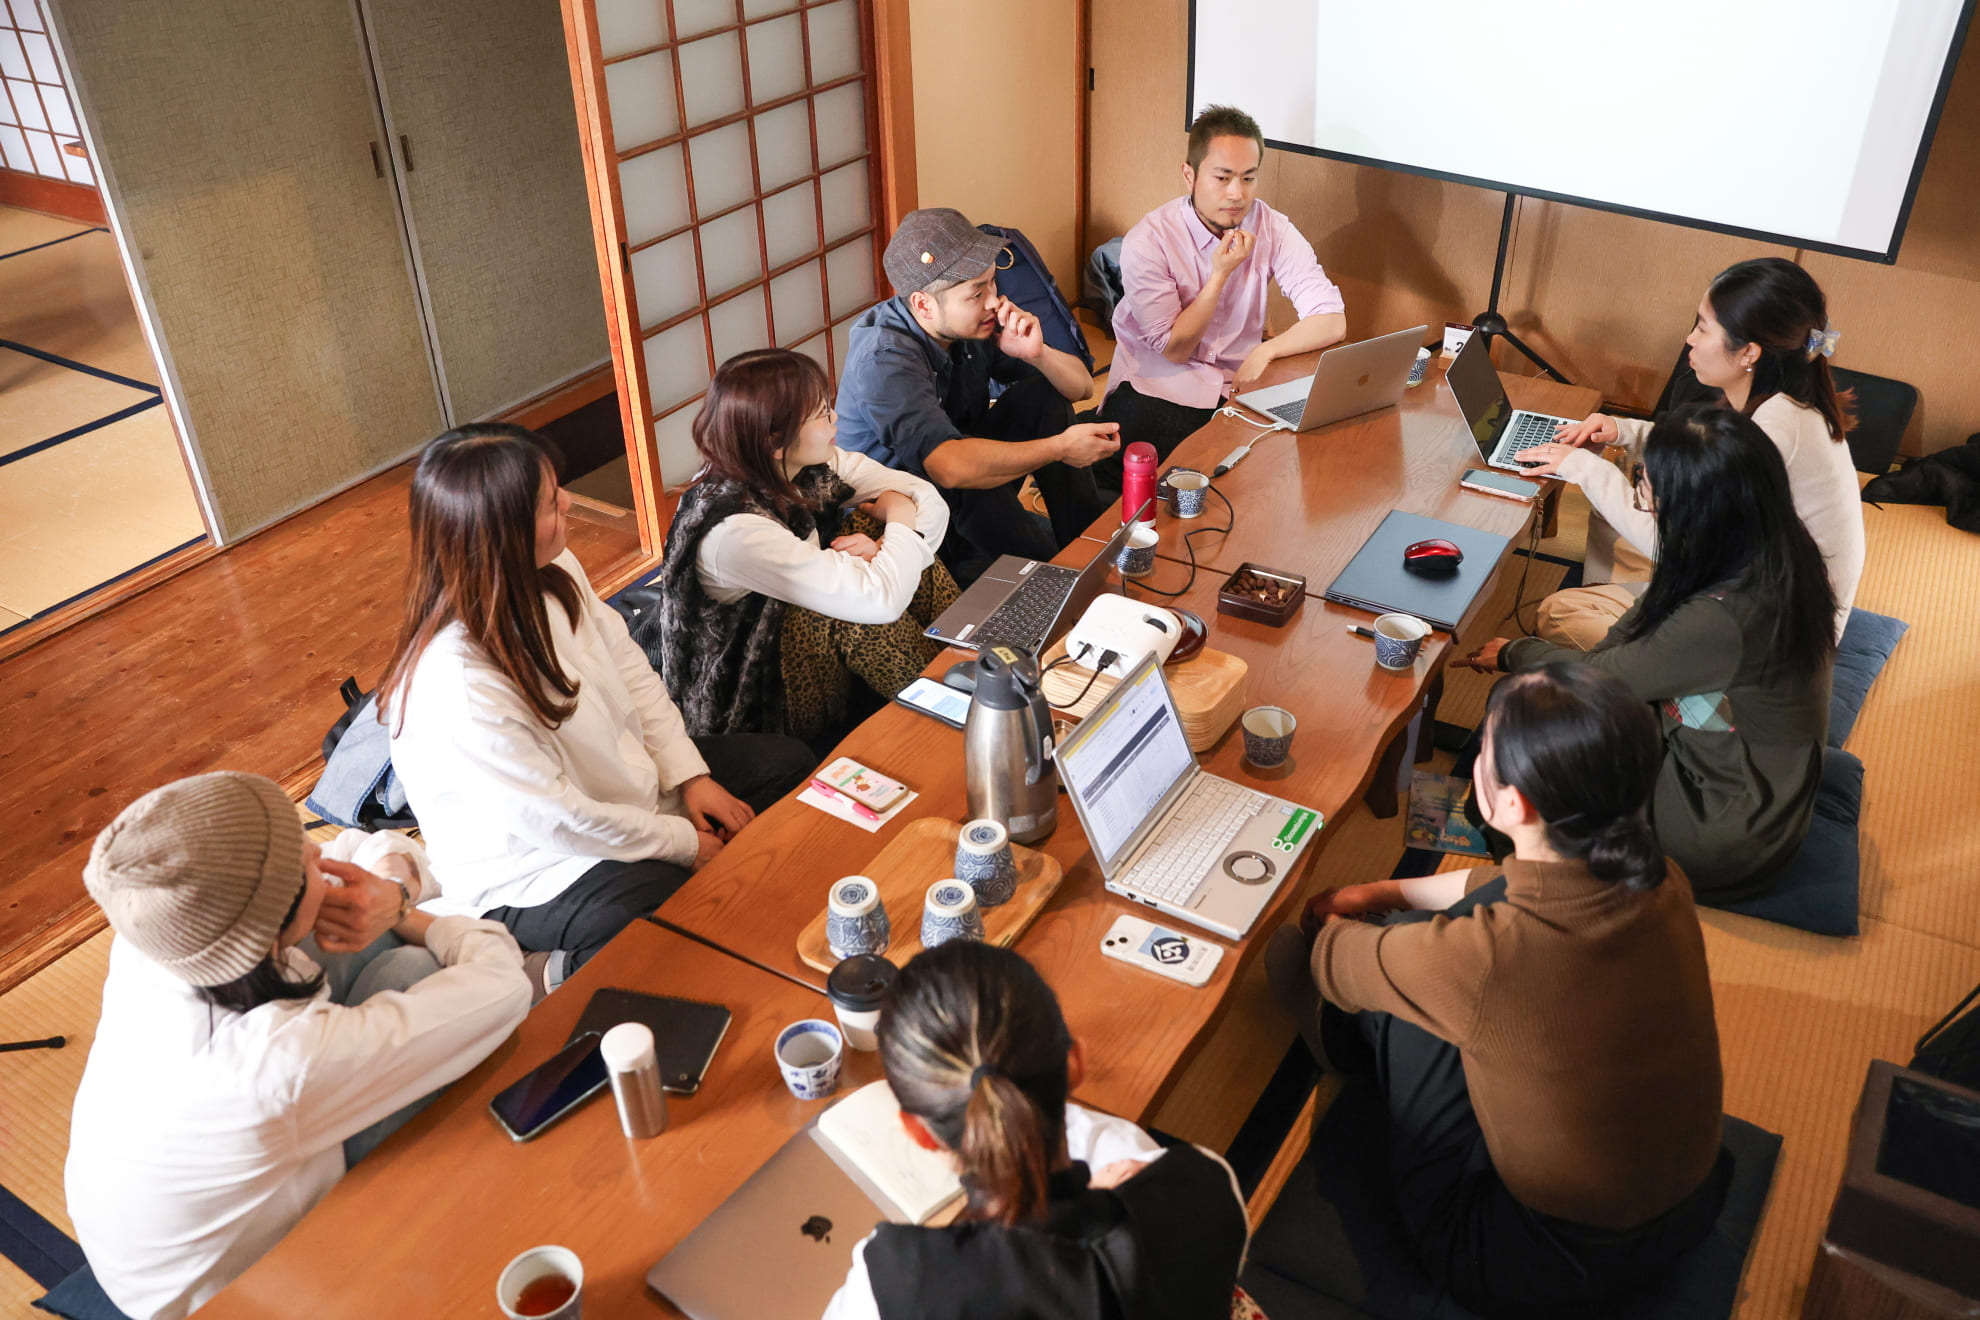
point(1950, 1051)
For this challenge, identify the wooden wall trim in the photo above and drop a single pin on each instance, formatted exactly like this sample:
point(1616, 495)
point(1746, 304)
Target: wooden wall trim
point(71, 201)
point(562, 400)
point(893, 72)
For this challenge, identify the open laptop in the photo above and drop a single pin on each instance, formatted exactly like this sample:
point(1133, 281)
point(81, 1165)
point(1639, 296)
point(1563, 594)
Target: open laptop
point(1499, 431)
point(1191, 844)
point(1023, 603)
point(1347, 381)
point(778, 1248)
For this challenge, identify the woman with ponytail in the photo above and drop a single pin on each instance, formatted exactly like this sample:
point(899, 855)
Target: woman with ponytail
point(1760, 347)
point(1545, 1047)
point(1732, 642)
point(1070, 1213)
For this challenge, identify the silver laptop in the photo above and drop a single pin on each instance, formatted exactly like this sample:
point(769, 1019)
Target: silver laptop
point(778, 1248)
point(1347, 381)
point(1191, 844)
point(1499, 432)
point(1021, 602)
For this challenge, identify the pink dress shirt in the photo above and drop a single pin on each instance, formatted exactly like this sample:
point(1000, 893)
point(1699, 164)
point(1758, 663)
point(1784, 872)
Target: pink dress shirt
point(1165, 262)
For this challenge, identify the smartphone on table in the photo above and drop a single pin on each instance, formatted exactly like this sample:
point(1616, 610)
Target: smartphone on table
point(936, 700)
point(551, 1090)
point(1498, 483)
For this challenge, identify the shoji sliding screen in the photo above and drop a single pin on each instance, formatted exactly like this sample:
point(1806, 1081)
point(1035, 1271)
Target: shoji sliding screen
point(729, 145)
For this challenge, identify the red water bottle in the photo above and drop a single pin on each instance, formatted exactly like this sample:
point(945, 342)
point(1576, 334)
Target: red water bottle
point(1138, 481)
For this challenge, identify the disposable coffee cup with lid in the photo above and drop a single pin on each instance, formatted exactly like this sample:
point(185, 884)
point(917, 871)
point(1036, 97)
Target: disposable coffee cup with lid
point(858, 987)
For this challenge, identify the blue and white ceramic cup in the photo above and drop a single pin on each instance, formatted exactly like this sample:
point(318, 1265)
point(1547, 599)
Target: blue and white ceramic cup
point(855, 918)
point(984, 861)
point(1268, 735)
point(1398, 640)
point(808, 1055)
point(1191, 489)
point(1137, 557)
point(950, 913)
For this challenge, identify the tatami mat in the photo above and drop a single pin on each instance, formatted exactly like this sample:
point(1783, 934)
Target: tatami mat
point(24, 229)
point(18, 1292)
point(63, 999)
point(8, 619)
point(40, 399)
point(79, 514)
point(72, 300)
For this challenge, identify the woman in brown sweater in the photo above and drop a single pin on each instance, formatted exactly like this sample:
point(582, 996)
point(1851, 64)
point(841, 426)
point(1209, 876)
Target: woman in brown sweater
point(1546, 1048)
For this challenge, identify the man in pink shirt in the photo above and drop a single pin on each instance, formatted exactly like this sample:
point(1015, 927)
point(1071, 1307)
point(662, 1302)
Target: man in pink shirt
point(1190, 326)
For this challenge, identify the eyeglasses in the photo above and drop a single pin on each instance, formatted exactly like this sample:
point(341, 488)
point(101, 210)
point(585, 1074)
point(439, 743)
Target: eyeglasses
point(1638, 489)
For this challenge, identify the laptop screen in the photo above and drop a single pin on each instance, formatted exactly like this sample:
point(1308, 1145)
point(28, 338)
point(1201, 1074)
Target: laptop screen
point(1124, 758)
point(1480, 396)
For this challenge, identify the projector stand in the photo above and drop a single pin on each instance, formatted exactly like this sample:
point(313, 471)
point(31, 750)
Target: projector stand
point(1488, 322)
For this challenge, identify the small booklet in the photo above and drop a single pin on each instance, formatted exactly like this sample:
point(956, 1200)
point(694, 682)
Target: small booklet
point(1436, 816)
point(864, 1131)
point(863, 785)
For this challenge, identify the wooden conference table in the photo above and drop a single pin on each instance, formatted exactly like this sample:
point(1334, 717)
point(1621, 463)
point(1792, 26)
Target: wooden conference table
point(424, 1226)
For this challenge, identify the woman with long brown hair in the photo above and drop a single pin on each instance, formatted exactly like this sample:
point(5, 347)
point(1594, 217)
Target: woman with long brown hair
point(557, 789)
point(1070, 1213)
point(793, 567)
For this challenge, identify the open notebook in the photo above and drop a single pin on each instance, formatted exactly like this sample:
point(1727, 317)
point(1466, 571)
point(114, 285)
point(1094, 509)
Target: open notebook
point(863, 1134)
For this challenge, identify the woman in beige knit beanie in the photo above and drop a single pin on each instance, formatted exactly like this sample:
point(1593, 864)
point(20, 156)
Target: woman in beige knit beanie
point(270, 1014)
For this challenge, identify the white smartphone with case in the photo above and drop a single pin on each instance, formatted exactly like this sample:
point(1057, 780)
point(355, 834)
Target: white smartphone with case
point(1186, 958)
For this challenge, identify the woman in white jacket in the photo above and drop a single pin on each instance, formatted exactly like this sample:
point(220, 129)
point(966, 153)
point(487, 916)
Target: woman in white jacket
point(793, 567)
point(557, 790)
point(238, 1068)
point(1762, 339)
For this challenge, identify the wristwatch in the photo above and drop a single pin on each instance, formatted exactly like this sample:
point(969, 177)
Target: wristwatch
point(405, 899)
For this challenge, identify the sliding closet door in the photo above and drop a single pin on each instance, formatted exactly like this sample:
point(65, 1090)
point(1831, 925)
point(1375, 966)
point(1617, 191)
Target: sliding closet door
point(234, 143)
point(729, 147)
point(477, 99)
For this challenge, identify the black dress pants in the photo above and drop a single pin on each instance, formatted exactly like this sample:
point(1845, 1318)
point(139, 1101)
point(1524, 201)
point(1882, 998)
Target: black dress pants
point(1143, 417)
point(1493, 1254)
point(986, 523)
point(759, 768)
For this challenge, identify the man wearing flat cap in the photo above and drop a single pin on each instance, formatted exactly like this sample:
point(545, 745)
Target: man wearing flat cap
point(915, 394)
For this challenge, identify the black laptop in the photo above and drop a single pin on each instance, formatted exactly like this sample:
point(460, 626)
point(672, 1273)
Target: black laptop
point(1375, 579)
point(1023, 603)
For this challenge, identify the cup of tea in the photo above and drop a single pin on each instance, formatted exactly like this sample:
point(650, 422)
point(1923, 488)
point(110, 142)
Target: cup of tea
point(858, 987)
point(984, 861)
point(544, 1283)
point(1398, 640)
point(1419, 368)
point(1191, 489)
point(950, 913)
point(1268, 735)
point(1137, 557)
point(855, 918)
point(808, 1055)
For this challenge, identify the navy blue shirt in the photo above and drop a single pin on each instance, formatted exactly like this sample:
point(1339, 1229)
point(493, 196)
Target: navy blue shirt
point(901, 394)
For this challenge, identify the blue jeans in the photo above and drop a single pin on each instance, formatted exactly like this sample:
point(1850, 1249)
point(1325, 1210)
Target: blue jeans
point(387, 963)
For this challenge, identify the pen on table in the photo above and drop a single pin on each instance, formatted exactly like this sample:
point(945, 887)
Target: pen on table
point(1360, 631)
point(860, 809)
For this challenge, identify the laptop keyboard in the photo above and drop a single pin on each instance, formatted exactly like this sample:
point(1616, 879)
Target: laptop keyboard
point(1026, 613)
point(1527, 430)
point(1289, 413)
point(1196, 834)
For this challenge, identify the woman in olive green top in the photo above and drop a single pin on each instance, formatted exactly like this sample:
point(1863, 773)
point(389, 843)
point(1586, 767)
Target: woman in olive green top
point(1733, 643)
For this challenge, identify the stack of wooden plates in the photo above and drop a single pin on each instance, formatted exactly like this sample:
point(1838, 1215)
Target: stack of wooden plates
point(1209, 691)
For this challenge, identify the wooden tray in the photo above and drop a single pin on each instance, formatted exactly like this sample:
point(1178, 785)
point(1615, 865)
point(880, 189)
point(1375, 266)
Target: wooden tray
point(1209, 691)
point(920, 855)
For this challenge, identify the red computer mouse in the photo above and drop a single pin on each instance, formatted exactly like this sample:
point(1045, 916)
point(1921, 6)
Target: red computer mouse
point(1433, 556)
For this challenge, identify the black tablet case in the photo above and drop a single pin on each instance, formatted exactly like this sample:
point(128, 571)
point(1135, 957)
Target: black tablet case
point(1376, 580)
point(685, 1033)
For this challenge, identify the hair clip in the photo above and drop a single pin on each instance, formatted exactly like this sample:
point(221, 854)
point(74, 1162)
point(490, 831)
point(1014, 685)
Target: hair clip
point(1823, 342)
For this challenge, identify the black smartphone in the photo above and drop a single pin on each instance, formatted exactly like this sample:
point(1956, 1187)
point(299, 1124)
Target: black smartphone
point(551, 1090)
point(1498, 483)
point(937, 700)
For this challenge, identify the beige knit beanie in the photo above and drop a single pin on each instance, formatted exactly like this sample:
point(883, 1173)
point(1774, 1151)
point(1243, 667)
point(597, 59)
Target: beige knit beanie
point(199, 874)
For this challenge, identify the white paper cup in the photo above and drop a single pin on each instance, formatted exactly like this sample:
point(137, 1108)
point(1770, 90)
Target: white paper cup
point(533, 1267)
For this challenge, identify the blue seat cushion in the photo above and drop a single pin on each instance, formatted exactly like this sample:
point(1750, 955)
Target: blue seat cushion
point(80, 1297)
point(1867, 642)
point(1334, 1246)
point(1817, 891)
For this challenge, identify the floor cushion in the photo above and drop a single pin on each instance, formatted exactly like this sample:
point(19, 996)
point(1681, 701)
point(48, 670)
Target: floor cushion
point(1867, 642)
point(1334, 1248)
point(80, 1297)
point(1817, 891)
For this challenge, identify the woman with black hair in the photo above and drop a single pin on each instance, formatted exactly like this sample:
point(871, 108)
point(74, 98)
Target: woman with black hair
point(1733, 642)
point(1070, 1213)
point(1761, 346)
point(1546, 1050)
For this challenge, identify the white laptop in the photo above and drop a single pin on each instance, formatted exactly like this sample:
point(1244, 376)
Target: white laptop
point(1190, 844)
point(1499, 432)
point(1348, 381)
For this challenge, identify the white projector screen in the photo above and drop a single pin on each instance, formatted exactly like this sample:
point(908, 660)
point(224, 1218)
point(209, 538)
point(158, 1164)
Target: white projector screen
point(1803, 122)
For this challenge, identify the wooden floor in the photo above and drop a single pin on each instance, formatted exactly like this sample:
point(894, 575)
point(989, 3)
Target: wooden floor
point(233, 664)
